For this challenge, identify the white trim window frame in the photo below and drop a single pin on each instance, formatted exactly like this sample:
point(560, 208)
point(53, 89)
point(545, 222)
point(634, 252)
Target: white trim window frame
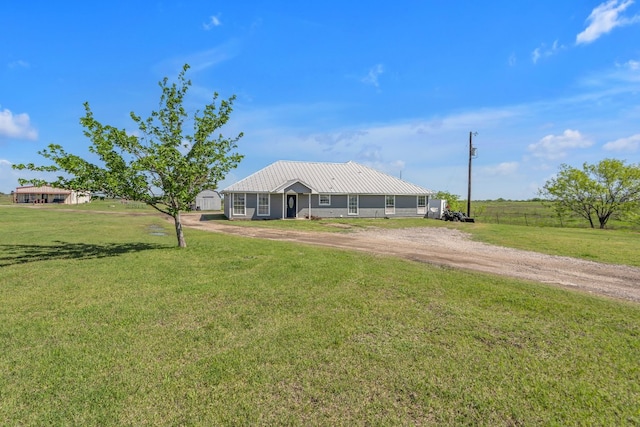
point(389, 205)
point(324, 200)
point(239, 206)
point(353, 204)
point(264, 206)
point(421, 204)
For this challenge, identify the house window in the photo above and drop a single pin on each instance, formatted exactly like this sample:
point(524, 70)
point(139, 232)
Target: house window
point(263, 204)
point(422, 204)
point(389, 205)
point(239, 204)
point(325, 200)
point(353, 204)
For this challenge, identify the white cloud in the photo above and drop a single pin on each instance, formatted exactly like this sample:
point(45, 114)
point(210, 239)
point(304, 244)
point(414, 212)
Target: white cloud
point(554, 147)
point(604, 18)
point(472, 120)
point(535, 55)
point(630, 144)
point(16, 126)
point(544, 52)
point(19, 64)
point(504, 168)
point(623, 78)
point(4, 162)
point(201, 60)
point(370, 153)
point(628, 72)
point(331, 139)
point(372, 77)
point(214, 21)
point(398, 164)
point(512, 60)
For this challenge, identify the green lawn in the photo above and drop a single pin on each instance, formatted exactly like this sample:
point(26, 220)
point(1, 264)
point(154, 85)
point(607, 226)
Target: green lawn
point(5, 199)
point(104, 321)
point(609, 246)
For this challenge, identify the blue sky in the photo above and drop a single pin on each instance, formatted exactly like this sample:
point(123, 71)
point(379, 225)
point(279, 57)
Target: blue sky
point(394, 85)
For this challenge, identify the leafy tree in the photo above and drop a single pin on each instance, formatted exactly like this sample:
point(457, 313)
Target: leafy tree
point(453, 200)
point(608, 188)
point(163, 167)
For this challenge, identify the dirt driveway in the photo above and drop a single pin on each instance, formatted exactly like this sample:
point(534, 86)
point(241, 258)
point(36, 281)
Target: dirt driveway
point(447, 247)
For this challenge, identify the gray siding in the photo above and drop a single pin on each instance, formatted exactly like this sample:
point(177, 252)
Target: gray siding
point(297, 188)
point(407, 206)
point(337, 209)
point(251, 207)
point(276, 206)
point(227, 207)
point(370, 206)
point(251, 203)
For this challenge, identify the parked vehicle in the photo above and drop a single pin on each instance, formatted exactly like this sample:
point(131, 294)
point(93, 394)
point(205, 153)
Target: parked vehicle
point(456, 216)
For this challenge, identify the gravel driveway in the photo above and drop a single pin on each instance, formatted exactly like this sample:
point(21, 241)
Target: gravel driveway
point(447, 247)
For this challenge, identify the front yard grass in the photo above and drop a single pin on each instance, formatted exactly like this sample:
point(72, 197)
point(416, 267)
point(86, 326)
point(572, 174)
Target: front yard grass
point(104, 322)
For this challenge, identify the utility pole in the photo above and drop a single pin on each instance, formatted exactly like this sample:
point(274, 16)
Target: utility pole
point(472, 153)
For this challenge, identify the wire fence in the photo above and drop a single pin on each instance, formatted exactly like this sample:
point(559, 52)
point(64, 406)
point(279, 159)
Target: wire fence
point(537, 219)
point(129, 204)
point(526, 219)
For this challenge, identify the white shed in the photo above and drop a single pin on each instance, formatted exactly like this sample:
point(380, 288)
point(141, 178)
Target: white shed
point(208, 200)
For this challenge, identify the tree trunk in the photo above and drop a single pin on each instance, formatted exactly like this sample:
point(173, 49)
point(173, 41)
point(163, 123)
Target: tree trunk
point(603, 222)
point(179, 234)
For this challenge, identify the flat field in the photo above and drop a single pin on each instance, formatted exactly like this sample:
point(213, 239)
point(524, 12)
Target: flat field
point(104, 321)
point(535, 214)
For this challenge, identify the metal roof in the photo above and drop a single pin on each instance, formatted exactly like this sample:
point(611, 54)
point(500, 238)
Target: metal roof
point(45, 189)
point(325, 178)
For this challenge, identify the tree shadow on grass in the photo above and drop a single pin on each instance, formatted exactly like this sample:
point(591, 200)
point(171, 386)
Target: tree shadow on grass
point(22, 254)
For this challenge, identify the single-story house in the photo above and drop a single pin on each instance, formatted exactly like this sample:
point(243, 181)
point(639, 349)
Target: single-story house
point(208, 200)
point(48, 194)
point(288, 189)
